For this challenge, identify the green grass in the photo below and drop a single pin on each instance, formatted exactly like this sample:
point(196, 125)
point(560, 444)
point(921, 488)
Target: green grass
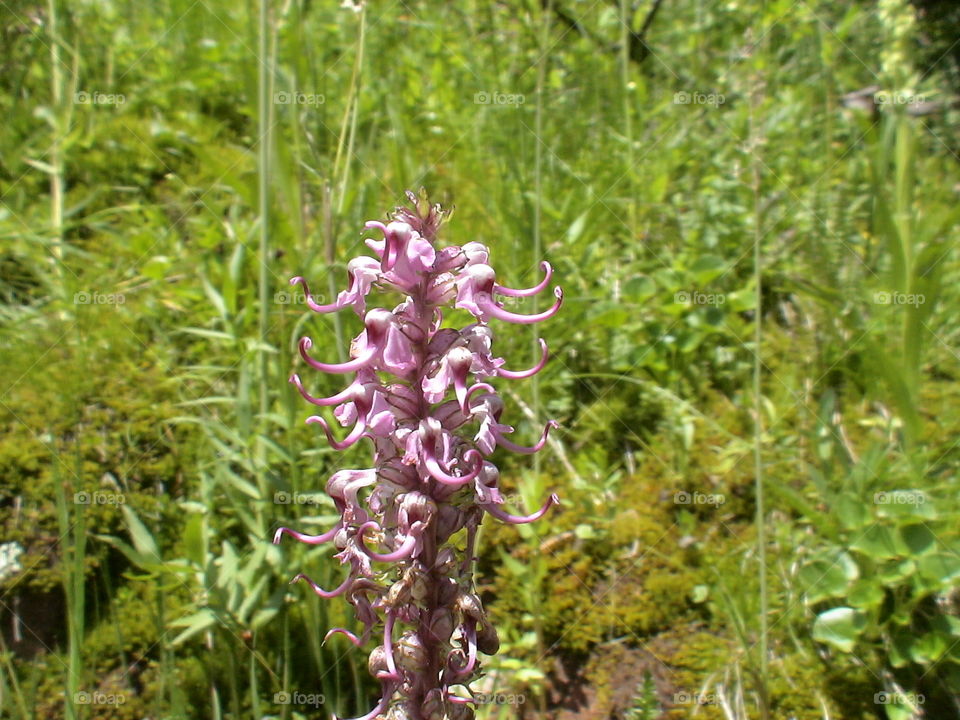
point(742, 254)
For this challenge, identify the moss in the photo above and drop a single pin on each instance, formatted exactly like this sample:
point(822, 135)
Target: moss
point(94, 422)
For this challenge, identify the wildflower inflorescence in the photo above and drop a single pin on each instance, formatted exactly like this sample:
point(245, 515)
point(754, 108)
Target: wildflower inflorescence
point(419, 392)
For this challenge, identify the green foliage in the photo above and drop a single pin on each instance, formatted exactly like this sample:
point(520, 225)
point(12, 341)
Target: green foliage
point(140, 359)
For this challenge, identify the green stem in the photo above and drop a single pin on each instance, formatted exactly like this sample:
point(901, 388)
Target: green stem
point(543, 58)
point(755, 145)
point(625, 20)
point(264, 86)
point(73, 545)
point(56, 148)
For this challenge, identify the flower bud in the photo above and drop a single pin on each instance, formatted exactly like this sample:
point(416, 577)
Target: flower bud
point(432, 707)
point(411, 654)
point(459, 711)
point(468, 605)
point(487, 640)
point(377, 662)
point(441, 624)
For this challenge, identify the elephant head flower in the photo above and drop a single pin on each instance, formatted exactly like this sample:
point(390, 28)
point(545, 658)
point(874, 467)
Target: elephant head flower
point(421, 393)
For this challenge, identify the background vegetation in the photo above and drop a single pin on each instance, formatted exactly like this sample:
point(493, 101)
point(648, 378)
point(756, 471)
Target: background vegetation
point(752, 208)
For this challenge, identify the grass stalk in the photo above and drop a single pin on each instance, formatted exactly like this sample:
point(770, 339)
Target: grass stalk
point(56, 147)
point(755, 142)
point(543, 55)
point(625, 21)
point(265, 76)
point(5, 658)
point(73, 547)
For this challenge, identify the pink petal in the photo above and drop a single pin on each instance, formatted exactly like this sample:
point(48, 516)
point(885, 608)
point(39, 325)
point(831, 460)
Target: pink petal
point(545, 266)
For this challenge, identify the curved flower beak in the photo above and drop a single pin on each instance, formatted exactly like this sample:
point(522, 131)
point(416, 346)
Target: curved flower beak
point(350, 366)
point(539, 287)
point(406, 549)
point(554, 499)
point(387, 688)
point(343, 587)
point(342, 631)
point(374, 339)
point(521, 374)
point(488, 306)
point(349, 440)
point(308, 539)
point(311, 303)
point(503, 442)
point(441, 476)
point(341, 397)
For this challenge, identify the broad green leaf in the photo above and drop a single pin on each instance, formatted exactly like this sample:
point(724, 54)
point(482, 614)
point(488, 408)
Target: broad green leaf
point(918, 538)
point(828, 577)
point(929, 647)
point(851, 511)
point(142, 538)
point(577, 227)
point(879, 542)
point(707, 268)
point(193, 544)
point(839, 627)
point(193, 624)
point(899, 647)
point(940, 568)
point(866, 594)
point(896, 570)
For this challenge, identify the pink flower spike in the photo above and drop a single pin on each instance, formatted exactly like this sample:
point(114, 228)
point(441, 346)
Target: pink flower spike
point(487, 305)
point(348, 441)
point(521, 374)
point(503, 442)
point(311, 303)
point(342, 631)
point(545, 266)
point(344, 586)
point(438, 474)
point(308, 539)
point(350, 366)
point(341, 397)
point(522, 519)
